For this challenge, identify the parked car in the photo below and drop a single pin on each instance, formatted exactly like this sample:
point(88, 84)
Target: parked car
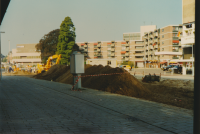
point(176, 69)
point(167, 67)
point(126, 67)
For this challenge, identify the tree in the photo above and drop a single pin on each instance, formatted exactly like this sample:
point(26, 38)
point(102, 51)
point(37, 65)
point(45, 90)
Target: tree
point(66, 41)
point(48, 44)
point(5, 59)
point(130, 63)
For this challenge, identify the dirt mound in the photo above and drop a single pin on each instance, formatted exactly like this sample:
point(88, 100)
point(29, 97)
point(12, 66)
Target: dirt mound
point(124, 84)
point(173, 92)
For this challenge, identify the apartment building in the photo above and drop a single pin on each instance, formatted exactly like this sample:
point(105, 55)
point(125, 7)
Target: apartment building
point(156, 45)
point(26, 54)
point(188, 36)
point(169, 44)
point(120, 50)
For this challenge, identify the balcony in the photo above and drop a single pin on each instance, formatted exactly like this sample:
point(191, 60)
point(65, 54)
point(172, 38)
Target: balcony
point(113, 54)
point(175, 30)
point(187, 40)
point(85, 54)
point(180, 30)
point(112, 49)
point(151, 36)
point(99, 45)
point(175, 38)
point(126, 54)
point(139, 54)
point(127, 49)
point(98, 50)
point(126, 59)
point(156, 34)
point(98, 55)
point(126, 45)
point(139, 59)
point(151, 41)
point(109, 55)
point(156, 46)
point(150, 47)
point(85, 50)
point(112, 45)
point(155, 40)
point(146, 43)
point(175, 50)
point(85, 46)
point(175, 57)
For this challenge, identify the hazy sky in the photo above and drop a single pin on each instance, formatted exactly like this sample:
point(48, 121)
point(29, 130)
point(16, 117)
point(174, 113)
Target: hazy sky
point(27, 21)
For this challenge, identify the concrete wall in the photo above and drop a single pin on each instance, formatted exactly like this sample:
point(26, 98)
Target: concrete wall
point(188, 11)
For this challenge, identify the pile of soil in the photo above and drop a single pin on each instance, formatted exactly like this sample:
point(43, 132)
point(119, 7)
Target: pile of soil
point(124, 84)
point(172, 92)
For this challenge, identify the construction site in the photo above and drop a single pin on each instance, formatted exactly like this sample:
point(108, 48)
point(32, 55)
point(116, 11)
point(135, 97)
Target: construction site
point(171, 92)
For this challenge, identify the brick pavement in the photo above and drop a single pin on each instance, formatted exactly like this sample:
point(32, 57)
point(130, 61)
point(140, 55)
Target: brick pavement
point(37, 106)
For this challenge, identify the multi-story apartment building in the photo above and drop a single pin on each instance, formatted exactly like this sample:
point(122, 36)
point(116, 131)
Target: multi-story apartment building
point(170, 47)
point(26, 54)
point(188, 36)
point(120, 50)
point(157, 45)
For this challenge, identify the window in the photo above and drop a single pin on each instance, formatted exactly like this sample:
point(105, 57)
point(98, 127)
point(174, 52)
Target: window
point(162, 55)
point(162, 49)
point(162, 36)
point(162, 42)
point(175, 28)
point(108, 62)
point(175, 35)
point(162, 30)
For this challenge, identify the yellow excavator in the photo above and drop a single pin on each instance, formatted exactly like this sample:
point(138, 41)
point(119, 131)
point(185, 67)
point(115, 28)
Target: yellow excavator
point(49, 63)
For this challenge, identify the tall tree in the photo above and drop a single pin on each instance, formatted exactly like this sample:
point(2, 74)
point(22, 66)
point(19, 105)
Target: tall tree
point(66, 40)
point(48, 44)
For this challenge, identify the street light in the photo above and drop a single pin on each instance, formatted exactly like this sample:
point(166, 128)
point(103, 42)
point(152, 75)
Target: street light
point(0, 55)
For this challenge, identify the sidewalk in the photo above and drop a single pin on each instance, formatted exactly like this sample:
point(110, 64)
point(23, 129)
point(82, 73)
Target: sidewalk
point(51, 107)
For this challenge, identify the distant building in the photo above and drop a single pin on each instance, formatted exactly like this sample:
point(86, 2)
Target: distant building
point(26, 54)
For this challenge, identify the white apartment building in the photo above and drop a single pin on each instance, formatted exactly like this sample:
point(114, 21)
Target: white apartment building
point(26, 54)
point(188, 36)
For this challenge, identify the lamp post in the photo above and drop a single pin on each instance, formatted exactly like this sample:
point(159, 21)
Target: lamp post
point(0, 55)
point(9, 51)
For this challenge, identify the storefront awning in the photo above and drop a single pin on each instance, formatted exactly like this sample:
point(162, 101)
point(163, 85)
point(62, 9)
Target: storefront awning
point(173, 62)
point(163, 62)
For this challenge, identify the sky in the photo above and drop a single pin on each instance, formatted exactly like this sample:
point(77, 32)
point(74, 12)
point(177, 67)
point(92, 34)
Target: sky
point(27, 21)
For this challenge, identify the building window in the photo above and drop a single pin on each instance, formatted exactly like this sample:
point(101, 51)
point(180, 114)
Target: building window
point(162, 30)
point(175, 28)
point(162, 55)
point(162, 42)
point(175, 35)
point(162, 49)
point(162, 36)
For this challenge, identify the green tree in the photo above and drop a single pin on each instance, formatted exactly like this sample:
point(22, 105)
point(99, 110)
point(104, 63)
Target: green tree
point(5, 59)
point(130, 63)
point(48, 44)
point(66, 41)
